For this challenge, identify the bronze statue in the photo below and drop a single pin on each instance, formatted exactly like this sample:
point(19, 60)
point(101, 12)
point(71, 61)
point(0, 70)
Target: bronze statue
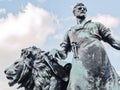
point(91, 68)
point(37, 70)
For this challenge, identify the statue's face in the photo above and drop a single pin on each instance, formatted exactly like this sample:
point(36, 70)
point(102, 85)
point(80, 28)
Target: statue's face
point(80, 11)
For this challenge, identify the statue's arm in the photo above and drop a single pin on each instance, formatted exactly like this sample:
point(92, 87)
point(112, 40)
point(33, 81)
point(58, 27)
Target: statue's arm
point(66, 47)
point(113, 42)
point(58, 54)
point(105, 33)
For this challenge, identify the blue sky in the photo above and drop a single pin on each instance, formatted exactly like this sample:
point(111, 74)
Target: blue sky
point(43, 23)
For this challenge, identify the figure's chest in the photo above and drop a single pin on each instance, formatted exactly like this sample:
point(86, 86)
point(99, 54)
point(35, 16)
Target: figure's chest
point(88, 31)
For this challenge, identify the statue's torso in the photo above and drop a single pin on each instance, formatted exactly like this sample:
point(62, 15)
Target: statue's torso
point(85, 37)
point(91, 61)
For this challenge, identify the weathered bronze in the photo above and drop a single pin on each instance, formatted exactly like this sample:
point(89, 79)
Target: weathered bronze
point(37, 70)
point(91, 68)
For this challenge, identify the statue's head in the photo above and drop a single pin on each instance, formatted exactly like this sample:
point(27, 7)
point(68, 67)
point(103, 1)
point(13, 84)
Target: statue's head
point(80, 10)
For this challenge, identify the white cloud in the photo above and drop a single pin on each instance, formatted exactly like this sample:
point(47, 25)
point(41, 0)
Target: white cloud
point(2, 10)
point(107, 20)
point(30, 27)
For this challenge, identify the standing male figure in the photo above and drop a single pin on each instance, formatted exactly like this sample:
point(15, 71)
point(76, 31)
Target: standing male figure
point(91, 68)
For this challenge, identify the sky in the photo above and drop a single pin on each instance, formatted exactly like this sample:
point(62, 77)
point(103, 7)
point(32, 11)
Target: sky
point(43, 23)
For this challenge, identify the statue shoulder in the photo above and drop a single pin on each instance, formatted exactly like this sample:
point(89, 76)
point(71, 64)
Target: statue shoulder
point(98, 24)
point(70, 30)
point(90, 22)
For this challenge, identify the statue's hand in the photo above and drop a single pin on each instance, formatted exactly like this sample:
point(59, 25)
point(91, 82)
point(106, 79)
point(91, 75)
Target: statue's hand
point(54, 53)
point(116, 46)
